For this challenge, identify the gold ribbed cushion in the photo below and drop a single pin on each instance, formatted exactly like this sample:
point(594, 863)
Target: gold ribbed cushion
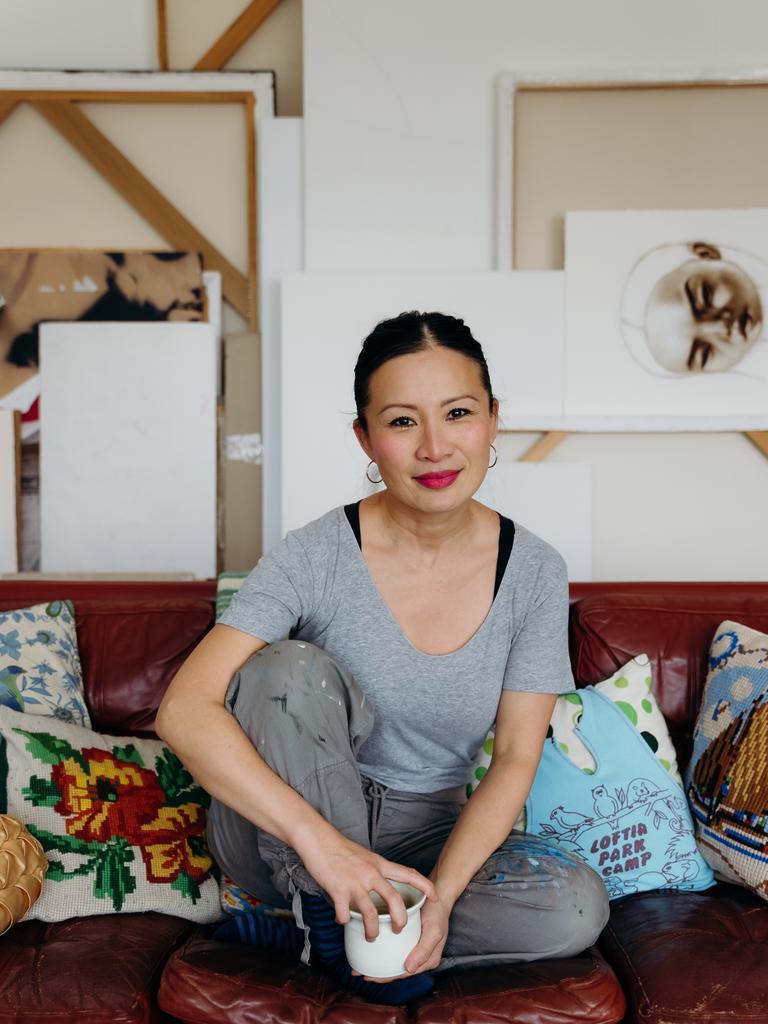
point(22, 869)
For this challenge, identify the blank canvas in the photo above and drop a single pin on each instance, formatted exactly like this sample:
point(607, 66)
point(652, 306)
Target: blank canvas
point(553, 500)
point(128, 447)
point(8, 493)
point(517, 317)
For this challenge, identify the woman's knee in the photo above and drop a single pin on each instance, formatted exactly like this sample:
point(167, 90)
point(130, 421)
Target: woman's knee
point(293, 691)
point(583, 913)
point(532, 900)
point(264, 680)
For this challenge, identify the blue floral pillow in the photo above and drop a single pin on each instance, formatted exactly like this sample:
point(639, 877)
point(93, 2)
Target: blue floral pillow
point(39, 663)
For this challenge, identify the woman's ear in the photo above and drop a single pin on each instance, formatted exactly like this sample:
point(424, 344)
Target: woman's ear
point(495, 417)
point(362, 437)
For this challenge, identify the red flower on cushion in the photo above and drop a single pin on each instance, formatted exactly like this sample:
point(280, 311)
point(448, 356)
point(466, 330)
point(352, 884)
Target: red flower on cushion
point(174, 842)
point(113, 798)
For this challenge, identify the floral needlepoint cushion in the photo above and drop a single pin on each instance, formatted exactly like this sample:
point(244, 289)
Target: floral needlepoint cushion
point(39, 662)
point(727, 777)
point(121, 820)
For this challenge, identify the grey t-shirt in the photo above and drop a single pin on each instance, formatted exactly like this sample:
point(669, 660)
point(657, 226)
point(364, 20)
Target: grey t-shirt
point(432, 711)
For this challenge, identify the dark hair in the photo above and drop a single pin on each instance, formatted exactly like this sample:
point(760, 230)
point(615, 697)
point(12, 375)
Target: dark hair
point(413, 332)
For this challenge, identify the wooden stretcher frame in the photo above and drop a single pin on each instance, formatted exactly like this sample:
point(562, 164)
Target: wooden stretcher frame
point(550, 439)
point(56, 97)
point(228, 43)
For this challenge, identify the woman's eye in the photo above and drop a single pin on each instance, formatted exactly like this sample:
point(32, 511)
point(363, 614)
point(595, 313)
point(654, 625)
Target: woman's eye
point(461, 414)
point(401, 421)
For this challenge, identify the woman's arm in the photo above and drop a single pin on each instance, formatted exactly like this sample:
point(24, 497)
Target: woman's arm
point(487, 819)
point(193, 720)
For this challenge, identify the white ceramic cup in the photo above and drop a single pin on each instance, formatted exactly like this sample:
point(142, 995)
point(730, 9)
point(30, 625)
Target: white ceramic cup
point(385, 956)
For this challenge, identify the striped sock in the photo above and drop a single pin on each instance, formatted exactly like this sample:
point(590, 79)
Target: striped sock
point(327, 941)
point(265, 931)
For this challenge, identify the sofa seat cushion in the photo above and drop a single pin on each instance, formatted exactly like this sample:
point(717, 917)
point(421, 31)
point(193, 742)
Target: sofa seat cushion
point(209, 982)
point(686, 957)
point(93, 970)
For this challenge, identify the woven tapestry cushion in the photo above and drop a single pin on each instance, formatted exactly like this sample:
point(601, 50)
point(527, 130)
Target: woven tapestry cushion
point(121, 820)
point(727, 778)
point(22, 868)
point(39, 662)
point(631, 690)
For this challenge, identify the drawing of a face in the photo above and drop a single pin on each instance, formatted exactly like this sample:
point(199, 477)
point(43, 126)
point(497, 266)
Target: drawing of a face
point(704, 316)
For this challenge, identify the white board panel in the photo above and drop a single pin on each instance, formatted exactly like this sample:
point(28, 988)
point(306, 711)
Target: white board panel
point(128, 448)
point(517, 318)
point(281, 251)
point(532, 494)
point(8, 494)
point(79, 34)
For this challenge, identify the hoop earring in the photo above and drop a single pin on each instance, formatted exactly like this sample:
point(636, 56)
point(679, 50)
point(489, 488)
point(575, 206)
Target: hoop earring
point(367, 473)
point(495, 457)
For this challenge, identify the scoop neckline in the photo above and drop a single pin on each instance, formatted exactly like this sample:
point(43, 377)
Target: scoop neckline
point(387, 611)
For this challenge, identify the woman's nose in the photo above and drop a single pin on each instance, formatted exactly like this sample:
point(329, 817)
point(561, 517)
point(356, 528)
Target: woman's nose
point(433, 444)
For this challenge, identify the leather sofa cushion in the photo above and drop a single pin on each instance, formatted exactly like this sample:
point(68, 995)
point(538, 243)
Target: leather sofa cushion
point(674, 626)
point(685, 957)
point(132, 638)
point(207, 982)
point(103, 970)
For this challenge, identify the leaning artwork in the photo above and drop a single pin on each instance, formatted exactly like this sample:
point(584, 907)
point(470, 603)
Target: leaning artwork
point(80, 285)
point(666, 313)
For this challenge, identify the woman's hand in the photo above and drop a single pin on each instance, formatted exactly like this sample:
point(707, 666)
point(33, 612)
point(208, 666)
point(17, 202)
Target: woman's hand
point(425, 956)
point(434, 931)
point(348, 872)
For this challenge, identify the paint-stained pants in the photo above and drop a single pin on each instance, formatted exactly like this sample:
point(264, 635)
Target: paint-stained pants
point(307, 717)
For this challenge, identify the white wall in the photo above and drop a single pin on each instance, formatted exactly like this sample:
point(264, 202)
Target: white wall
point(399, 101)
point(400, 152)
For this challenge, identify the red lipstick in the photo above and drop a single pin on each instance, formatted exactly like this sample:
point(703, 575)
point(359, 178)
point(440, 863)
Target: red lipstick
point(436, 481)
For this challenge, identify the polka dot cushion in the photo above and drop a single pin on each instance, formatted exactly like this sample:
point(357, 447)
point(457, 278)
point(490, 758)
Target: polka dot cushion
point(630, 689)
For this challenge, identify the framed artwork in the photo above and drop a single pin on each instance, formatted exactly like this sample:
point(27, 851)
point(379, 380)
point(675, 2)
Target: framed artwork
point(624, 140)
point(665, 313)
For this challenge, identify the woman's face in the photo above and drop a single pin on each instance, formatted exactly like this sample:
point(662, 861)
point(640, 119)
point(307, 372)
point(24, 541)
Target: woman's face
point(429, 428)
point(703, 317)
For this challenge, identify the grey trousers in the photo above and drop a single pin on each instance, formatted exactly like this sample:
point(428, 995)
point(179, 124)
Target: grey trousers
point(307, 717)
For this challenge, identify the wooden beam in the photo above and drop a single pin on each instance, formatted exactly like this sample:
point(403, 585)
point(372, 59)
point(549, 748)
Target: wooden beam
point(147, 200)
point(238, 33)
point(546, 444)
point(7, 106)
point(162, 35)
point(759, 438)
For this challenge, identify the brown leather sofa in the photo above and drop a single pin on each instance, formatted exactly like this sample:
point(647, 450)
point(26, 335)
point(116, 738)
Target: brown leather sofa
point(664, 958)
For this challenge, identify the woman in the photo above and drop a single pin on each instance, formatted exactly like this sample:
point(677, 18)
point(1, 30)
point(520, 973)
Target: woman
point(417, 617)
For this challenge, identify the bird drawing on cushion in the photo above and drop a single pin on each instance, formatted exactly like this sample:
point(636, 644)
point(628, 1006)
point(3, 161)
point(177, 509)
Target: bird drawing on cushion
point(10, 696)
point(604, 805)
point(570, 821)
